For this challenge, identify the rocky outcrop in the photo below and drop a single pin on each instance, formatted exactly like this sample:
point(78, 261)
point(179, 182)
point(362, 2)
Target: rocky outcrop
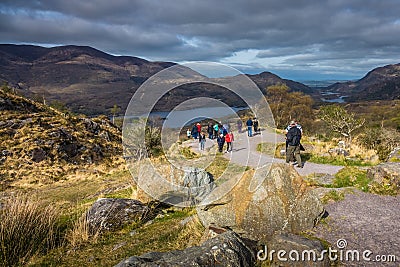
point(108, 214)
point(385, 178)
point(226, 249)
point(281, 203)
point(175, 187)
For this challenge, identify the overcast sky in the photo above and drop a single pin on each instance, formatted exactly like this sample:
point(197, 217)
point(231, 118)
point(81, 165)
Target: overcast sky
point(295, 39)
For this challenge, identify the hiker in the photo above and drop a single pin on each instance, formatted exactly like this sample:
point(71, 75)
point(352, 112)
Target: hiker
point(293, 144)
point(216, 128)
point(202, 141)
point(255, 125)
point(249, 124)
point(188, 133)
point(297, 125)
point(221, 128)
point(210, 130)
point(226, 127)
point(224, 131)
point(221, 142)
point(198, 126)
point(194, 132)
point(229, 139)
point(239, 125)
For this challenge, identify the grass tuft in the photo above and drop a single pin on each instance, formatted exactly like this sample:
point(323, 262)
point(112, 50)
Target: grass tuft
point(27, 228)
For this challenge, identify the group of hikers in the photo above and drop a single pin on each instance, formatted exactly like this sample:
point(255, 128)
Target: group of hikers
point(220, 132)
point(223, 134)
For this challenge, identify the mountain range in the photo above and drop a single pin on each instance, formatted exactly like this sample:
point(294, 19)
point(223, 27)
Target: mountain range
point(382, 83)
point(91, 82)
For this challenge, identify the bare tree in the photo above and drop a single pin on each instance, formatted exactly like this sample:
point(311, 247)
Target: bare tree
point(340, 121)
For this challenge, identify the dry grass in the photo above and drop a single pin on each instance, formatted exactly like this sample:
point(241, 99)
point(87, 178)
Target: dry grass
point(81, 233)
point(27, 227)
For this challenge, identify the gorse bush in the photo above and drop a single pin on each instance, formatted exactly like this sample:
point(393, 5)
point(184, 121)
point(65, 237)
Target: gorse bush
point(26, 228)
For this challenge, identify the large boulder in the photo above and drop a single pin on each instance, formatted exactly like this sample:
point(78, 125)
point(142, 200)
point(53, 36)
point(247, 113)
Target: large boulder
point(174, 186)
point(385, 178)
point(226, 249)
point(108, 214)
point(281, 202)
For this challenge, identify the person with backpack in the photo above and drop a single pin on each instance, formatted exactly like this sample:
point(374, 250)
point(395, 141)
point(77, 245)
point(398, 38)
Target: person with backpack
point(229, 140)
point(221, 142)
point(293, 138)
point(249, 124)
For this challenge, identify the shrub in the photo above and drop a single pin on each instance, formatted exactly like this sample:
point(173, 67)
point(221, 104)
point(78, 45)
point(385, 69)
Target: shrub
point(27, 227)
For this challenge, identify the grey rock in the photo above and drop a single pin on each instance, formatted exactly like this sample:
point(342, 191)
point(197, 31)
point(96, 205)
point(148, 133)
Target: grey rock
point(386, 174)
point(199, 183)
point(299, 251)
point(226, 249)
point(38, 154)
point(189, 189)
point(281, 203)
point(109, 214)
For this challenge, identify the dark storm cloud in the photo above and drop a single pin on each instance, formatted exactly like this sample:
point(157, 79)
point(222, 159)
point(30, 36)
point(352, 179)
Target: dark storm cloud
point(279, 35)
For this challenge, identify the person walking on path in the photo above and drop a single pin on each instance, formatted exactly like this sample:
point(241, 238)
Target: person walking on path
point(198, 126)
point(255, 125)
point(293, 138)
point(216, 128)
point(249, 124)
point(221, 142)
point(210, 130)
point(202, 141)
point(297, 125)
point(188, 133)
point(229, 139)
point(194, 132)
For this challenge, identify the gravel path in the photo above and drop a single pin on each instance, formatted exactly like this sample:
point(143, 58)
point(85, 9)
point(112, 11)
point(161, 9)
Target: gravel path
point(366, 222)
point(245, 153)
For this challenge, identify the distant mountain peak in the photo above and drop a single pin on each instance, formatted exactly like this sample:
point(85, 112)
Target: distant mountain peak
point(382, 83)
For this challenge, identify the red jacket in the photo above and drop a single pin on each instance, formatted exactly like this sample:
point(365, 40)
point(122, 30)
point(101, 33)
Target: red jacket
point(198, 125)
point(229, 137)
